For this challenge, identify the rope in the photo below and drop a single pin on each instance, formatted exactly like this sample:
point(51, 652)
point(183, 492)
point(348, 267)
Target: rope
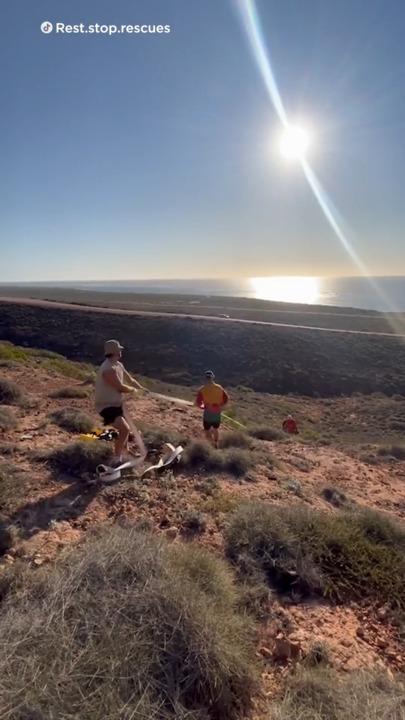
point(180, 401)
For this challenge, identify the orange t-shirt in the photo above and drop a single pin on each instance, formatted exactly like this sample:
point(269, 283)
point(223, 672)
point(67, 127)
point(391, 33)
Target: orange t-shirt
point(212, 397)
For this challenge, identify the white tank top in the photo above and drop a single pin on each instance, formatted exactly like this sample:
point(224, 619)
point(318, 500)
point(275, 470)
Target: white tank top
point(105, 394)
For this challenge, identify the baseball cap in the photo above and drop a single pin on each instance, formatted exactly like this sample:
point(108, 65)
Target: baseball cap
point(112, 346)
point(209, 374)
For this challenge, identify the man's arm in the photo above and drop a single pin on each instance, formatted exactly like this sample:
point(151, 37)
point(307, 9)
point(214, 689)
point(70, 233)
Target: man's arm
point(199, 401)
point(131, 380)
point(111, 377)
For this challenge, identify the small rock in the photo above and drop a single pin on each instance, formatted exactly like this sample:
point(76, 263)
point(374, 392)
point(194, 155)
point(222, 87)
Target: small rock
point(360, 632)
point(285, 649)
point(350, 665)
point(265, 652)
point(382, 613)
point(171, 533)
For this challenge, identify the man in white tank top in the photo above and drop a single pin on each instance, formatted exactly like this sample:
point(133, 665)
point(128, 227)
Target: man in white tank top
point(112, 383)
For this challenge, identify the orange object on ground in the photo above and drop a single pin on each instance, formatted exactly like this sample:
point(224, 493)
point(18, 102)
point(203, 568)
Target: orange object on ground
point(290, 425)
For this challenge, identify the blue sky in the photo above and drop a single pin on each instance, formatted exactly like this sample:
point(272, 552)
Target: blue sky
point(154, 156)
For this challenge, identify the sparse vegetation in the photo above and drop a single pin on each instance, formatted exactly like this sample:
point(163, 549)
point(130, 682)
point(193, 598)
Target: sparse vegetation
point(13, 484)
point(237, 462)
point(262, 432)
point(337, 557)
point(235, 439)
point(319, 694)
point(127, 626)
point(6, 539)
point(318, 654)
point(335, 497)
point(155, 437)
point(73, 392)
point(201, 455)
point(194, 521)
point(392, 451)
point(10, 393)
point(207, 486)
point(7, 449)
point(80, 458)
point(8, 420)
point(73, 420)
point(46, 359)
point(342, 363)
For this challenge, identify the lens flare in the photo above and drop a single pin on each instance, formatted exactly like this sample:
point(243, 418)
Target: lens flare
point(253, 29)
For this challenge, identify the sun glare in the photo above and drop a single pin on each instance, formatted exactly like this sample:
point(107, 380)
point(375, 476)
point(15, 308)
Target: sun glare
point(294, 143)
point(286, 289)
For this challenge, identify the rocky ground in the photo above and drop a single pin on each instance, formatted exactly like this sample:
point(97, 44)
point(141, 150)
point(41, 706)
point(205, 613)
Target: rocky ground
point(47, 512)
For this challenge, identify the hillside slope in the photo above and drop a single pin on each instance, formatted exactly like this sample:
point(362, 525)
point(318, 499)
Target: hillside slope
point(49, 510)
point(178, 350)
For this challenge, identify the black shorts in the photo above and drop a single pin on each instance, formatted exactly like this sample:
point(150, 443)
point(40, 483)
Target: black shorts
point(208, 424)
point(110, 414)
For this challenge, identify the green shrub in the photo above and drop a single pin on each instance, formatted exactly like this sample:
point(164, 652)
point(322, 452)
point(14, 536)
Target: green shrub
point(13, 486)
point(155, 437)
point(6, 540)
point(7, 448)
point(8, 420)
point(395, 451)
point(70, 392)
point(207, 486)
point(234, 439)
point(46, 359)
point(73, 420)
point(320, 694)
point(61, 366)
point(318, 654)
point(237, 462)
point(10, 393)
point(194, 521)
point(80, 458)
point(8, 364)
point(263, 432)
point(127, 627)
point(11, 352)
point(201, 455)
point(336, 557)
point(335, 497)
point(381, 529)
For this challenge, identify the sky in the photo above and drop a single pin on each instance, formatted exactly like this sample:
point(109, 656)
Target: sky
point(156, 155)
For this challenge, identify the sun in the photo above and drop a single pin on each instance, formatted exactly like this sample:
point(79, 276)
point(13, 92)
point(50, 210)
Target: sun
point(294, 142)
point(289, 289)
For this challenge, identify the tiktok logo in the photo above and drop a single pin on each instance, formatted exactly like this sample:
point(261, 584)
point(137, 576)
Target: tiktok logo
point(46, 27)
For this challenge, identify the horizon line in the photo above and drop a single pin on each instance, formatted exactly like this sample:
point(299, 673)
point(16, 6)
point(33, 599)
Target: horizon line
point(188, 279)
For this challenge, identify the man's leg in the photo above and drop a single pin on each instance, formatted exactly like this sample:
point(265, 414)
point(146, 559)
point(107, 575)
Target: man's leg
point(215, 436)
point(121, 442)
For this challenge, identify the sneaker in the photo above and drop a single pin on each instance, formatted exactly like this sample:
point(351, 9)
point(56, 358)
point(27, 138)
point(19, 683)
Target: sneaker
point(116, 462)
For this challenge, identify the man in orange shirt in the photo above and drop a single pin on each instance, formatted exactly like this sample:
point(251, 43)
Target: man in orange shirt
point(211, 398)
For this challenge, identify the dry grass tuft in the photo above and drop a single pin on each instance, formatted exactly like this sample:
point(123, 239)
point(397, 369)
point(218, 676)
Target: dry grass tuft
point(127, 626)
point(340, 557)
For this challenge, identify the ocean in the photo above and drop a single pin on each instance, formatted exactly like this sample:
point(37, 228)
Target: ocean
point(380, 293)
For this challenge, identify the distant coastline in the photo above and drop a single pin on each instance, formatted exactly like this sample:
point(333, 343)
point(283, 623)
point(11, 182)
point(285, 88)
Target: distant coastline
point(385, 294)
